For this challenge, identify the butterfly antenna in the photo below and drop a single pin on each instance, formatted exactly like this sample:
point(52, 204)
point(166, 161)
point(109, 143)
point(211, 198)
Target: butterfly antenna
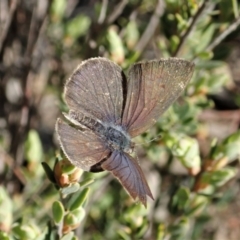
point(157, 137)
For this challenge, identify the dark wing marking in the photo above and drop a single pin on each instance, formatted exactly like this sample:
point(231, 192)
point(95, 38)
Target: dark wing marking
point(152, 87)
point(83, 148)
point(95, 89)
point(129, 173)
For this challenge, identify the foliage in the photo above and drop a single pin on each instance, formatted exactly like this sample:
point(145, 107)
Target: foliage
point(192, 171)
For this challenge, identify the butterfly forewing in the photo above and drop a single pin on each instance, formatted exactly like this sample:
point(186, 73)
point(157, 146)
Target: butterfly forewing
point(83, 148)
point(95, 89)
point(151, 88)
point(130, 175)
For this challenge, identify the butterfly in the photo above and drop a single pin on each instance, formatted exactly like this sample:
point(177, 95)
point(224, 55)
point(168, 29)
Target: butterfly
point(108, 109)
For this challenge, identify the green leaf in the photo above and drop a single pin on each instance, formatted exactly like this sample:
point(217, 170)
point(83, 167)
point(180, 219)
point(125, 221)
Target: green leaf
point(23, 231)
point(49, 172)
point(161, 231)
point(219, 177)
point(180, 229)
point(205, 39)
point(197, 204)
point(72, 188)
point(229, 148)
point(4, 236)
point(132, 34)
point(68, 236)
point(204, 55)
point(58, 211)
point(66, 166)
point(186, 149)
point(73, 218)
point(115, 45)
point(79, 214)
point(181, 198)
point(124, 233)
point(33, 147)
point(58, 8)
point(86, 182)
point(78, 199)
point(78, 26)
point(6, 209)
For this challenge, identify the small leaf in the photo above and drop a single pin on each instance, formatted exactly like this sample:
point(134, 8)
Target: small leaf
point(161, 231)
point(58, 212)
point(86, 182)
point(219, 177)
point(181, 198)
point(124, 233)
point(33, 147)
point(58, 8)
point(65, 166)
point(180, 229)
point(69, 219)
point(78, 26)
point(205, 55)
point(79, 214)
point(6, 209)
point(197, 204)
point(73, 219)
point(68, 236)
point(186, 149)
point(72, 188)
point(78, 199)
point(132, 34)
point(68, 168)
point(115, 45)
point(49, 172)
point(229, 148)
point(4, 236)
point(23, 232)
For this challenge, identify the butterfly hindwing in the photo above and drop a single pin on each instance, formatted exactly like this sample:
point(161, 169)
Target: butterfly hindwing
point(127, 170)
point(83, 148)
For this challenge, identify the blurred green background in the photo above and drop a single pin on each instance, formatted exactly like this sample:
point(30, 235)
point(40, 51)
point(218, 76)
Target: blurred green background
point(190, 157)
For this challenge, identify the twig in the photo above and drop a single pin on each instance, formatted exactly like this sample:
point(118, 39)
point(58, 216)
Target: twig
point(102, 15)
point(233, 26)
point(192, 25)
point(117, 11)
point(151, 27)
point(5, 29)
point(5, 157)
point(95, 197)
point(38, 16)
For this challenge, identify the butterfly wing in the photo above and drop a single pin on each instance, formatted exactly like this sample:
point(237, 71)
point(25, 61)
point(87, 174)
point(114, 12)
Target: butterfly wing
point(152, 87)
point(83, 148)
point(129, 173)
point(95, 89)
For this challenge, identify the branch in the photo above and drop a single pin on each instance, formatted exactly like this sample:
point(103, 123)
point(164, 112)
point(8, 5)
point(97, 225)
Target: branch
point(150, 29)
point(5, 29)
point(5, 157)
point(117, 11)
point(233, 26)
point(103, 12)
point(192, 24)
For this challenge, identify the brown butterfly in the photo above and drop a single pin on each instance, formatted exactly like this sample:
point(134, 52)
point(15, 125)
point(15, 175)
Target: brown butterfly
point(108, 110)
